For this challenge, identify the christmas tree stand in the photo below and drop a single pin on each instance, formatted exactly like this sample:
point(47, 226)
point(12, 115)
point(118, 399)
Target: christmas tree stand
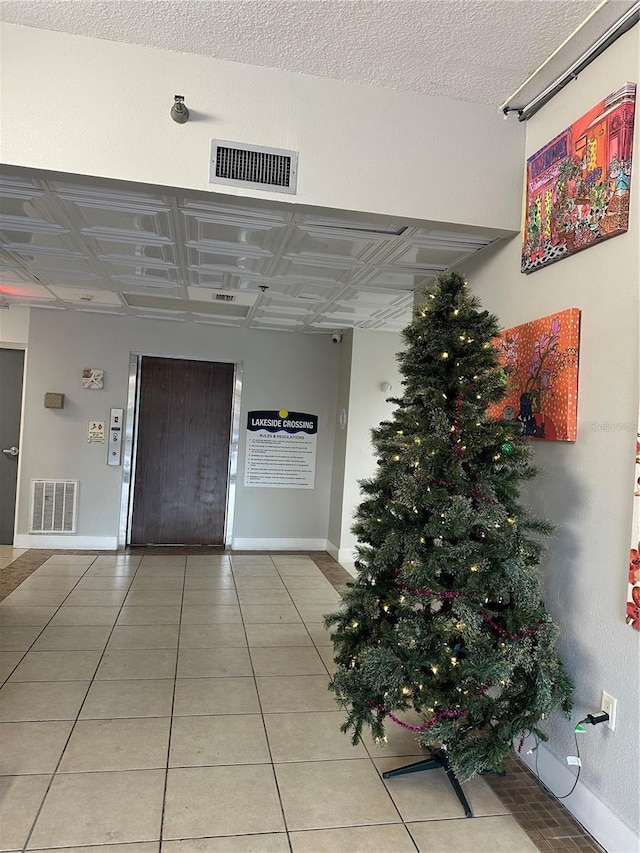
point(438, 760)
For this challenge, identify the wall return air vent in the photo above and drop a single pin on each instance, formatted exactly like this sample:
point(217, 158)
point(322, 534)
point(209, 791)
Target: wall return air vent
point(239, 165)
point(54, 506)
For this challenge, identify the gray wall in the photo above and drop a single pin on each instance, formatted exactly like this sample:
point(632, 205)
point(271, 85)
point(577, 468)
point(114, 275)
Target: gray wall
point(586, 487)
point(297, 372)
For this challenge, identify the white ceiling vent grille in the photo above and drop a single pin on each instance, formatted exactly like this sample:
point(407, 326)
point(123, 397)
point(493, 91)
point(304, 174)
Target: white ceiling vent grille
point(238, 165)
point(53, 506)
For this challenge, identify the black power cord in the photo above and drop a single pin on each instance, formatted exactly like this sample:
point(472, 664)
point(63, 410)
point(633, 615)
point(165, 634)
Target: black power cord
point(592, 719)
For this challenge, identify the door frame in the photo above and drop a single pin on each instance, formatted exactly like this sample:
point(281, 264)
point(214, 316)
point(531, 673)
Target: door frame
point(130, 446)
point(23, 397)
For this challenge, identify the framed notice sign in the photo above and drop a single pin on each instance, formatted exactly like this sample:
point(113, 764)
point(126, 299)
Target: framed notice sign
point(281, 449)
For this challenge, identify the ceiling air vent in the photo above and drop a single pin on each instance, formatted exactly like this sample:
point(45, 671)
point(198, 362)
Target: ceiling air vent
point(224, 297)
point(238, 165)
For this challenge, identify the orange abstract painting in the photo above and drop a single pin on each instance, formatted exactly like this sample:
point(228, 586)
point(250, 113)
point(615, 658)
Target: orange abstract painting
point(540, 360)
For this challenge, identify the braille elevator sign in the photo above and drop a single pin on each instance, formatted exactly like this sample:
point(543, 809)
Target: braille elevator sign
point(281, 449)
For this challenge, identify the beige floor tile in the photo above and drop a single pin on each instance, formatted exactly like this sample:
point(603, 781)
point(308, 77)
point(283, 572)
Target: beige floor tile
point(315, 612)
point(225, 800)
point(39, 701)
point(117, 560)
point(326, 794)
point(99, 808)
point(212, 636)
point(326, 653)
point(209, 597)
point(213, 663)
point(208, 560)
point(309, 582)
point(20, 799)
point(96, 745)
point(57, 666)
point(104, 583)
point(118, 571)
point(31, 747)
point(136, 847)
point(481, 835)
point(210, 615)
point(72, 638)
point(153, 597)
point(238, 560)
point(237, 739)
point(71, 560)
point(35, 598)
point(264, 571)
point(17, 639)
point(275, 842)
point(264, 596)
point(315, 596)
point(214, 696)
point(295, 693)
point(35, 582)
point(287, 661)
point(8, 662)
point(85, 616)
point(269, 613)
point(258, 582)
point(429, 796)
point(137, 698)
point(299, 570)
point(310, 736)
point(387, 838)
point(156, 584)
point(276, 634)
point(12, 616)
point(144, 637)
point(319, 634)
point(167, 615)
point(96, 598)
point(59, 571)
point(400, 741)
point(120, 664)
point(193, 582)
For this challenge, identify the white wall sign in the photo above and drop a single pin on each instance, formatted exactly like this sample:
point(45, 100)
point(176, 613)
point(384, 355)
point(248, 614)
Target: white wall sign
point(281, 449)
point(95, 432)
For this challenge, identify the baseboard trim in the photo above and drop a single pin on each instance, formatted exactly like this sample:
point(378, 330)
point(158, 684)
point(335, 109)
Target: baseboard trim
point(279, 544)
point(65, 543)
point(596, 817)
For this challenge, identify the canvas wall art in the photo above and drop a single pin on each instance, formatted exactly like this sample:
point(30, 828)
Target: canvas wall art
point(578, 185)
point(540, 360)
point(633, 599)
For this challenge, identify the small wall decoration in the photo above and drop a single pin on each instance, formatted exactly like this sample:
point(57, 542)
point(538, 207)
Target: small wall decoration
point(540, 360)
point(92, 378)
point(633, 603)
point(578, 185)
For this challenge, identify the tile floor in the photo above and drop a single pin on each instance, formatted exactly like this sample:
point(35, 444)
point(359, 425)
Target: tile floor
point(173, 704)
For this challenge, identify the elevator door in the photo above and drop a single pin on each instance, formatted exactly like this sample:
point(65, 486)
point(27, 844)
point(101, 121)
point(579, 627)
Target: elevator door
point(182, 456)
point(11, 368)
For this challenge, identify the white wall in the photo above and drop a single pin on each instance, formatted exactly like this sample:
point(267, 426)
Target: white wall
point(296, 372)
point(94, 107)
point(14, 327)
point(586, 487)
point(372, 361)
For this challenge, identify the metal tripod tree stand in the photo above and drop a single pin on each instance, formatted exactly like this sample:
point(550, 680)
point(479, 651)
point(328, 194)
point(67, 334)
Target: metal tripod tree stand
point(438, 760)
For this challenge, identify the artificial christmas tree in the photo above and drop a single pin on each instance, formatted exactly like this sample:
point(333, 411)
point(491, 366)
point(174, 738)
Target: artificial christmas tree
point(445, 617)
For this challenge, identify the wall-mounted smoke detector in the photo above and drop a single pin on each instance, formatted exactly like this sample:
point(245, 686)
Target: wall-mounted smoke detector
point(239, 165)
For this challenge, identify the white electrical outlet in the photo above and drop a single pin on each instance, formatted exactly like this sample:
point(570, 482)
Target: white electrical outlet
point(608, 705)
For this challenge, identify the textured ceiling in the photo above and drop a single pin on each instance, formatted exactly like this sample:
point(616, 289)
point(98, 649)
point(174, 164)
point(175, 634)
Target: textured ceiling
point(104, 247)
point(474, 50)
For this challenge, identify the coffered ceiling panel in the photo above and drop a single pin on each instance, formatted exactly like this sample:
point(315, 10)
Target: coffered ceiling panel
point(110, 248)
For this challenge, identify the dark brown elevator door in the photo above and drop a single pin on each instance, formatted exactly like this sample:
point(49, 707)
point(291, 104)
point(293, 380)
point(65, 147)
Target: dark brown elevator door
point(182, 457)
